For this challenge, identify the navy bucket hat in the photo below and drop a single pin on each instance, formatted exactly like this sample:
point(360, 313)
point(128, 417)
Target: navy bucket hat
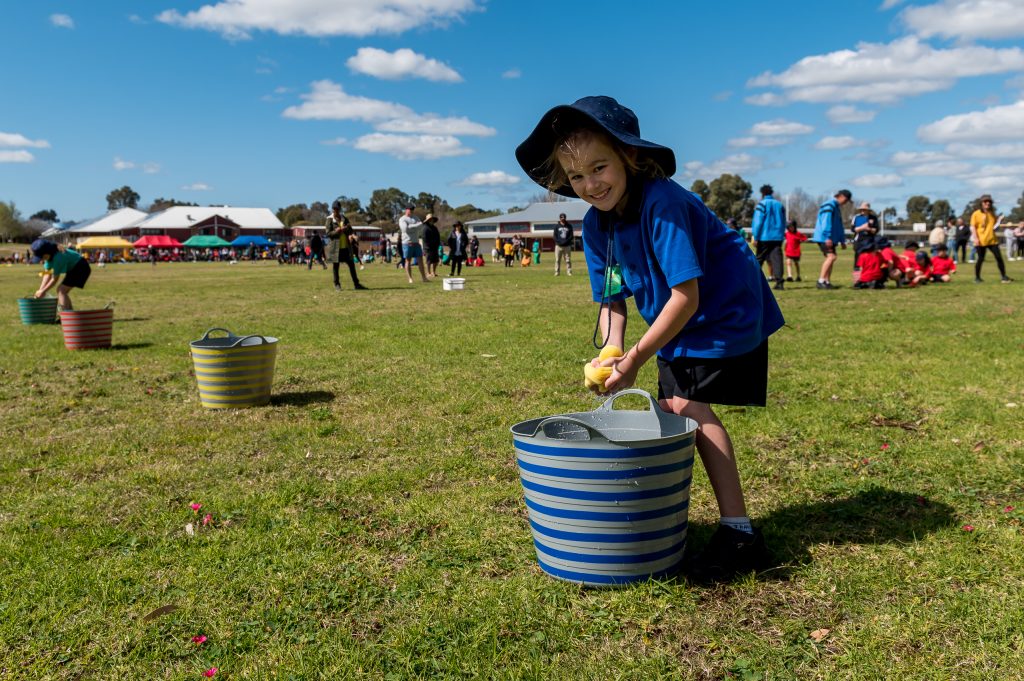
point(603, 112)
point(41, 247)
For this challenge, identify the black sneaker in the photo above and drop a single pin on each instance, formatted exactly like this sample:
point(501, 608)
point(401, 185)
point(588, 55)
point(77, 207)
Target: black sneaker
point(1006, 280)
point(779, 286)
point(977, 280)
point(337, 287)
point(799, 279)
point(789, 278)
point(360, 287)
point(729, 553)
point(821, 284)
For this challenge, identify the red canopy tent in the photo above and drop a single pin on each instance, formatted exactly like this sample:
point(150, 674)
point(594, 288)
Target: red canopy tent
point(157, 241)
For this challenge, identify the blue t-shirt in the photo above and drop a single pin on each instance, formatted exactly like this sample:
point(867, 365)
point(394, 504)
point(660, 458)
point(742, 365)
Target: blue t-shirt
point(829, 224)
point(667, 237)
point(769, 220)
point(61, 262)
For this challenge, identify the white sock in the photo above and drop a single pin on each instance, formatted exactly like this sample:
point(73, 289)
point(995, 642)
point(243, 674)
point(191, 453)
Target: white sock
point(741, 523)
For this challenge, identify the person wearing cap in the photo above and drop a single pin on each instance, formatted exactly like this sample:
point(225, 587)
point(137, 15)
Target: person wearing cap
point(339, 249)
point(59, 262)
point(694, 281)
point(984, 223)
point(865, 228)
point(565, 238)
point(769, 230)
point(431, 244)
point(409, 228)
point(828, 231)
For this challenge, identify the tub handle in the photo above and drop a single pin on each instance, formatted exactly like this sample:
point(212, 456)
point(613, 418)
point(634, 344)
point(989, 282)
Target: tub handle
point(655, 414)
point(591, 432)
point(236, 340)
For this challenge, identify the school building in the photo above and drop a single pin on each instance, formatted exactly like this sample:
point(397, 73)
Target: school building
point(537, 221)
point(182, 222)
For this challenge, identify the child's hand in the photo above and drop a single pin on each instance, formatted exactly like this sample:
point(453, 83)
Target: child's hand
point(39, 294)
point(599, 369)
point(624, 371)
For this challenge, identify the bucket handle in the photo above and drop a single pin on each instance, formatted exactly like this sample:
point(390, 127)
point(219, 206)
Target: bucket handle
point(654, 416)
point(593, 433)
point(237, 340)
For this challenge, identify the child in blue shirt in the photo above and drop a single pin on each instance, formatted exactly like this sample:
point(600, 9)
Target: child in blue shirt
point(694, 281)
point(57, 262)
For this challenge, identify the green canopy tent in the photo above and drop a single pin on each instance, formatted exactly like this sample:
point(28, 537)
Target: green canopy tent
point(205, 241)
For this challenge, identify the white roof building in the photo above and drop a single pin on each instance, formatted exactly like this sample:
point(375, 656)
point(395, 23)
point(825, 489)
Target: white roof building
point(184, 217)
point(538, 220)
point(111, 223)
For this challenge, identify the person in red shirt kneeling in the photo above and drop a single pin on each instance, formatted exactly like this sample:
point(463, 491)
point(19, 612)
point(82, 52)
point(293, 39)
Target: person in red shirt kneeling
point(872, 268)
point(943, 267)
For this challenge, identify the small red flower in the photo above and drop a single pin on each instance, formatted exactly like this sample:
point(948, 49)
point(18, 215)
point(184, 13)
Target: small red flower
point(210, 672)
point(199, 640)
point(195, 507)
point(1007, 509)
point(207, 519)
point(885, 446)
point(968, 528)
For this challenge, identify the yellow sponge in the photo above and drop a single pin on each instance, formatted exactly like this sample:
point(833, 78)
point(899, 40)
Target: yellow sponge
point(596, 376)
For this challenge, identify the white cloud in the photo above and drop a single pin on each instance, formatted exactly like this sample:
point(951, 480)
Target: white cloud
point(1010, 150)
point(328, 101)
point(844, 113)
point(780, 126)
point(62, 21)
point(197, 187)
point(493, 178)
point(512, 73)
point(13, 139)
point(407, 147)
point(754, 141)
point(883, 72)
point(929, 164)
point(136, 19)
point(736, 164)
point(878, 180)
point(889, 4)
point(910, 158)
point(766, 99)
point(335, 142)
point(967, 19)
point(435, 125)
point(997, 177)
point(238, 19)
point(149, 167)
point(841, 142)
point(402, 63)
point(994, 125)
point(18, 156)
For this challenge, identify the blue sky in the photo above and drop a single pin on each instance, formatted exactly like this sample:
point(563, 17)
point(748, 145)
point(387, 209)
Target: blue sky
point(272, 102)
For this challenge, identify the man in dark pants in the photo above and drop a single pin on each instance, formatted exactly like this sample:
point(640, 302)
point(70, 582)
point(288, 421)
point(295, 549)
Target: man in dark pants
point(564, 239)
point(769, 231)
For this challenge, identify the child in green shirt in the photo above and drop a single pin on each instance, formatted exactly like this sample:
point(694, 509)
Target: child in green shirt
point(58, 262)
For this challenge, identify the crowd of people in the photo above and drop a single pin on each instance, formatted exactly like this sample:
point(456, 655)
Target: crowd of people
point(875, 262)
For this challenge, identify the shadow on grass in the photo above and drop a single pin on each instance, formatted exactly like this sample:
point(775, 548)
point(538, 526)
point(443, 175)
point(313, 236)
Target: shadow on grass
point(130, 346)
point(130, 319)
point(873, 516)
point(300, 399)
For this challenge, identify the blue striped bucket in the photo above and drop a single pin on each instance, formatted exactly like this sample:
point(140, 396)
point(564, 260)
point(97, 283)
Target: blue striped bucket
point(607, 491)
point(233, 371)
point(38, 310)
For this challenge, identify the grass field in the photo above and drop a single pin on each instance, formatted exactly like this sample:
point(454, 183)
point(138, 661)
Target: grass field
point(369, 523)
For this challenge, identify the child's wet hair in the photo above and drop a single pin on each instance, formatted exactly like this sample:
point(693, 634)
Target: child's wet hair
point(568, 128)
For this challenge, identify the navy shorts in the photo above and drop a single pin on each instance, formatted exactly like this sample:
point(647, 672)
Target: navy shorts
point(78, 275)
point(740, 380)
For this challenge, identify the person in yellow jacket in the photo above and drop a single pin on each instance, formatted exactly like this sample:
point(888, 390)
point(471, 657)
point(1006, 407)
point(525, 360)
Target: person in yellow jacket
point(983, 226)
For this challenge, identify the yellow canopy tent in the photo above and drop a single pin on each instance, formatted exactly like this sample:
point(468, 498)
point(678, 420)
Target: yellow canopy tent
point(103, 242)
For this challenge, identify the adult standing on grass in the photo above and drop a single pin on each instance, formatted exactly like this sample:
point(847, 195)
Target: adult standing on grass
point(57, 262)
point(983, 227)
point(431, 244)
point(338, 250)
point(316, 251)
point(828, 232)
point(457, 245)
point(769, 230)
point(696, 283)
point(565, 239)
point(962, 239)
point(410, 228)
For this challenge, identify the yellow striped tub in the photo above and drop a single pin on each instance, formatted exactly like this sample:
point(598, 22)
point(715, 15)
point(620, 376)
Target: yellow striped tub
point(233, 371)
